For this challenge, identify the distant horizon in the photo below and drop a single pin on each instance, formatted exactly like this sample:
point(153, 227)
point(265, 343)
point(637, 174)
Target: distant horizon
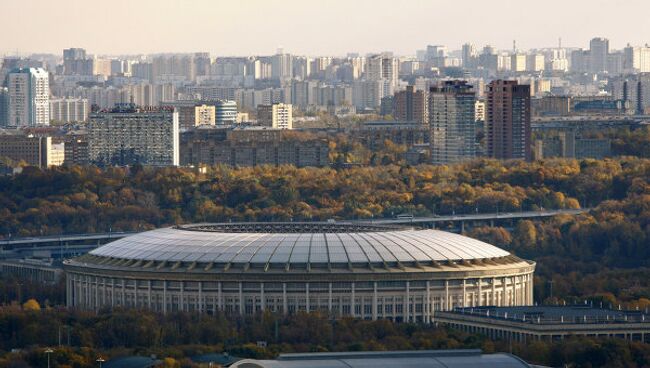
point(255, 27)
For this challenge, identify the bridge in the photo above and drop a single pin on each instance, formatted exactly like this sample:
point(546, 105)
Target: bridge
point(588, 122)
point(476, 217)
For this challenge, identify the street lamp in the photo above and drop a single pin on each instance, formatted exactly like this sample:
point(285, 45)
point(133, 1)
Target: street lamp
point(100, 360)
point(48, 351)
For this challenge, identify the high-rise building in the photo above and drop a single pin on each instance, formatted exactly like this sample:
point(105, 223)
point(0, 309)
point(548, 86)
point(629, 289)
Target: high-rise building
point(452, 122)
point(383, 67)
point(275, 116)
point(282, 66)
point(204, 115)
point(469, 56)
point(411, 105)
point(636, 59)
point(4, 106)
point(518, 62)
point(598, 52)
point(76, 62)
point(202, 63)
point(535, 62)
point(68, 110)
point(29, 97)
point(128, 135)
point(225, 112)
point(508, 120)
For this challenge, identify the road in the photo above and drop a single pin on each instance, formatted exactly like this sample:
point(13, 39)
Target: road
point(483, 216)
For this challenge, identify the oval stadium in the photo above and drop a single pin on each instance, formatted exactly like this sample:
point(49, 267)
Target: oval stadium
point(340, 269)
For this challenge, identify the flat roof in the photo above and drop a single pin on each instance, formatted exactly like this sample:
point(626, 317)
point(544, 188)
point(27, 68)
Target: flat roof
point(556, 314)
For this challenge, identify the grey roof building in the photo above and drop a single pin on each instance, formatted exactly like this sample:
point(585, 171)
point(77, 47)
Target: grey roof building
point(381, 359)
point(524, 323)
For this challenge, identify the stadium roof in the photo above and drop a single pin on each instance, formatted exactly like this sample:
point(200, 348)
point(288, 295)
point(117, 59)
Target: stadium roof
point(317, 244)
point(405, 359)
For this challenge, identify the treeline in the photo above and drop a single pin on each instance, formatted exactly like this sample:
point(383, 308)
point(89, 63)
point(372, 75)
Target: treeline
point(78, 200)
point(177, 337)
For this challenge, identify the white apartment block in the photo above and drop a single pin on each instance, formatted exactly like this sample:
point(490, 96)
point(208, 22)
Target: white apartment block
point(275, 116)
point(69, 110)
point(29, 96)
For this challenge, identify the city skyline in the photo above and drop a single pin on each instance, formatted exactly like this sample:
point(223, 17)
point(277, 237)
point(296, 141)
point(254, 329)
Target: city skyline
point(258, 28)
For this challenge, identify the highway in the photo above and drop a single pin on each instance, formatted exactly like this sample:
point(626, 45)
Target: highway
point(482, 216)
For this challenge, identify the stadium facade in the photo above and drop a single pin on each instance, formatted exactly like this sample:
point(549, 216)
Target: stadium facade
point(341, 269)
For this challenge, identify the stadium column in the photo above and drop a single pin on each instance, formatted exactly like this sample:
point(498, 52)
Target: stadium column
point(374, 301)
point(112, 293)
point(135, 293)
point(464, 293)
point(200, 300)
point(285, 309)
point(123, 300)
point(181, 301)
point(307, 296)
point(352, 301)
point(241, 299)
point(504, 296)
point(164, 301)
point(531, 289)
point(494, 292)
point(407, 303)
point(262, 300)
point(446, 306)
point(96, 293)
point(480, 293)
point(329, 298)
point(427, 305)
point(219, 302)
point(149, 294)
point(68, 293)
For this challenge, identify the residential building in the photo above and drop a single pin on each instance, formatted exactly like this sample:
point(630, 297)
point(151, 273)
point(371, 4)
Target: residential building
point(636, 59)
point(225, 111)
point(76, 149)
point(282, 66)
point(411, 105)
point(251, 146)
point(4, 106)
point(33, 150)
point(128, 135)
point(277, 115)
point(479, 111)
point(29, 97)
point(204, 115)
point(598, 55)
point(452, 120)
point(508, 120)
point(76, 62)
point(68, 110)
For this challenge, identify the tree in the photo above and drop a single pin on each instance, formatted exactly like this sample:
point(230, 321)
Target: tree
point(32, 305)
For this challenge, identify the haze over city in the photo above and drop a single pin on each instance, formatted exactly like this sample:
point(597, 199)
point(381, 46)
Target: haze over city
point(330, 28)
point(344, 183)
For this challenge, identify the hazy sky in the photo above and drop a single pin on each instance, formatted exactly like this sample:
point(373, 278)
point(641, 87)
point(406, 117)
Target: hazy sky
point(325, 27)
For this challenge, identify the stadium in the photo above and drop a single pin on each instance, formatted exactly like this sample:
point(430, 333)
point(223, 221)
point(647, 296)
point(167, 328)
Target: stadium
point(341, 269)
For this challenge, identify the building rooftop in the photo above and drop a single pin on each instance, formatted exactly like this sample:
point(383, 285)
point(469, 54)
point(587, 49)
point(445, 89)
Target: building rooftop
point(551, 314)
point(311, 244)
point(380, 359)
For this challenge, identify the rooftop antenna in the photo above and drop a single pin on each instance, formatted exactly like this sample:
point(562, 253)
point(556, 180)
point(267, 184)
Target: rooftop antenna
point(514, 45)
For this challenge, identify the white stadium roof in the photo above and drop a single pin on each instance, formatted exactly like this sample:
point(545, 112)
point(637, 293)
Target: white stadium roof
point(291, 244)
